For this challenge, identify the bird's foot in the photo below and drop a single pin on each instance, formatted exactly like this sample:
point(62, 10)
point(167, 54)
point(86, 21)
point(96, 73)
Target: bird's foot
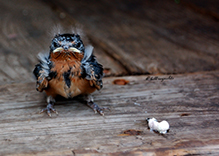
point(96, 108)
point(48, 109)
point(50, 106)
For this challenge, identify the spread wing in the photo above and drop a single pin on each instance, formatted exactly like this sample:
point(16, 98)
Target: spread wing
point(42, 71)
point(91, 69)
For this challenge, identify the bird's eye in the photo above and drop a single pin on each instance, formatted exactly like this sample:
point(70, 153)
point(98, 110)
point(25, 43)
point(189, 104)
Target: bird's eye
point(78, 44)
point(55, 44)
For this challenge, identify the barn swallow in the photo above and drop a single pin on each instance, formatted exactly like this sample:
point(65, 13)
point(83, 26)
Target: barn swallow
point(69, 69)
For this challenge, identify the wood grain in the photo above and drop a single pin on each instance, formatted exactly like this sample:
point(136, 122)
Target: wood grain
point(78, 131)
point(130, 37)
point(149, 36)
point(141, 37)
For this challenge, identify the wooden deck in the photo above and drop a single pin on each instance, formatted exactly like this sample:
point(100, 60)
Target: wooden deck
point(133, 40)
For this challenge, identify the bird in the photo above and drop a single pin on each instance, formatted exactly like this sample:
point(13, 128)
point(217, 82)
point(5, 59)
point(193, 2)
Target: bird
point(69, 69)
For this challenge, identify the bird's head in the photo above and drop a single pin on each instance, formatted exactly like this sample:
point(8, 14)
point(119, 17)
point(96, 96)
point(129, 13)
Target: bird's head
point(65, 46)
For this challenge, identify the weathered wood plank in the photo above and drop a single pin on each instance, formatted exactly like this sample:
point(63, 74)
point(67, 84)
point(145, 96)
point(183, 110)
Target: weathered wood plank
point(131, 26)
point(26, 29)
point(188, 102)
point(149, 36)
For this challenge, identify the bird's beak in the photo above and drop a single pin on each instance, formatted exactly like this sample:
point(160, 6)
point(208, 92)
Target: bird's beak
point(70, 49)
point(58, 49)
point(74, 50)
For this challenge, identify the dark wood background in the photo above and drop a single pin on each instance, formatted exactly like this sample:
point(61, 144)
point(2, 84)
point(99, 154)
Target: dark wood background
point(133, 40)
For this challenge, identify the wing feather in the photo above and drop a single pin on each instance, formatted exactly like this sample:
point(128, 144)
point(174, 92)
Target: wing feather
point(91, 69)
point(42, 71)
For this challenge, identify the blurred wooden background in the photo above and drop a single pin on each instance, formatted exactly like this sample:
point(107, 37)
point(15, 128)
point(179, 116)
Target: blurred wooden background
point(135, 39)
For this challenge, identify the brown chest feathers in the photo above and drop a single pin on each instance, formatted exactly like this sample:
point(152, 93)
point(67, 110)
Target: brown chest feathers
point(67, 81)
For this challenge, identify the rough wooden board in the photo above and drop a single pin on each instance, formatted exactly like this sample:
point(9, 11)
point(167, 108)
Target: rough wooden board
point(27, 29)
point(132, 26)
point(149, 36)
point(188, 102)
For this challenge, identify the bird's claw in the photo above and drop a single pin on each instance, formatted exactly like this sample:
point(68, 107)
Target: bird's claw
point(47, 110)
point(96, 108)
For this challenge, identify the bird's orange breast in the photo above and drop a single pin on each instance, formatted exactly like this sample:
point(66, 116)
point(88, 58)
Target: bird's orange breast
point(78, 86)
point(67, 81)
